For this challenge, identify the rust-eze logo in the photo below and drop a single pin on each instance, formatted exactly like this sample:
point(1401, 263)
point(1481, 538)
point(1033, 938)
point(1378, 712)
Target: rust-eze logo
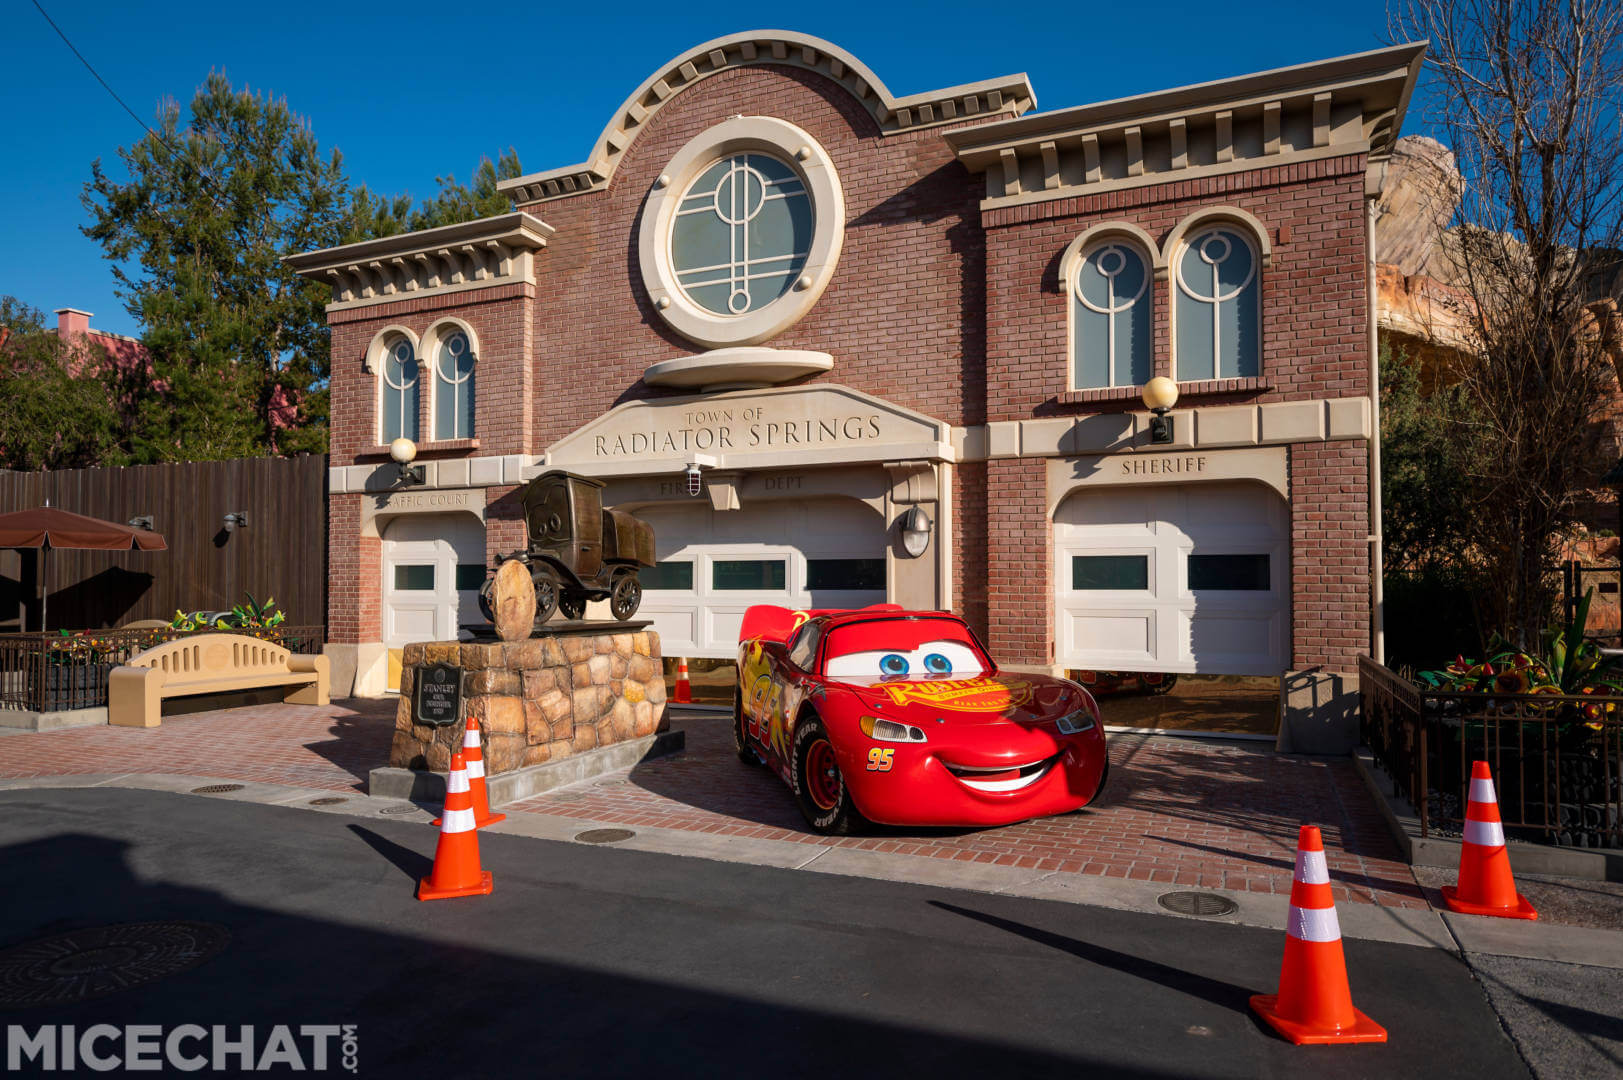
point(960, 695)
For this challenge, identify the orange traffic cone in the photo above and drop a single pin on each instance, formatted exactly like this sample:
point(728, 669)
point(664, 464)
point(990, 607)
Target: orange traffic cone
point(1486, 886)
point(456, 859)
point(684, 692)
point(476, 777)
point(1314, 1003)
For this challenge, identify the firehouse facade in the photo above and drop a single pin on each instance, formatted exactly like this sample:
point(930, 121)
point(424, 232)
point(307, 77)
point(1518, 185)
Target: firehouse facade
point(850, 312)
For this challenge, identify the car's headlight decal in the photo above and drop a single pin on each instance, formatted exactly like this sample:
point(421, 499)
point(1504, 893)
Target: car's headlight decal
point(891, 731)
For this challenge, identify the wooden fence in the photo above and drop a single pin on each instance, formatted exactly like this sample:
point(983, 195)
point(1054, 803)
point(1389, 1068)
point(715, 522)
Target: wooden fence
point(282, 552)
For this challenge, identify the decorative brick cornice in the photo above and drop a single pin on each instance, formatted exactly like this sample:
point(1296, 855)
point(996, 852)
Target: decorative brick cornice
point(1010, 95)
point(1303, 114)
point(401, 308)
point(1074, 204)
point(460, 258)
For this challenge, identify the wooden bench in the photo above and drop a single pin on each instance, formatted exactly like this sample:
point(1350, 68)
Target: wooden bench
point(209, 664)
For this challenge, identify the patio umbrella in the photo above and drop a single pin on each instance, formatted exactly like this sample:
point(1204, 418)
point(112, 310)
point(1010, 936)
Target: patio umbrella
point(47, 527)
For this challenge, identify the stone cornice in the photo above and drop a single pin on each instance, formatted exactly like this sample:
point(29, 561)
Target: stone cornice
point(1346, 105)
point(452, 258)
point(1011, 95)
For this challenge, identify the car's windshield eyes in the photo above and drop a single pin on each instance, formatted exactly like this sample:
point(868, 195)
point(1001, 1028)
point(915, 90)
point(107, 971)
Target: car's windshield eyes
point(931, 660)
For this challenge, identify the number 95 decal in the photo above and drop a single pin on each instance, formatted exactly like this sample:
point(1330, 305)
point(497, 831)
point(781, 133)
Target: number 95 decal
point(879, 758)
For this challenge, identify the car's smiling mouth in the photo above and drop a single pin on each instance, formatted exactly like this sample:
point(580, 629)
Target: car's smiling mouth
point(1001, 779)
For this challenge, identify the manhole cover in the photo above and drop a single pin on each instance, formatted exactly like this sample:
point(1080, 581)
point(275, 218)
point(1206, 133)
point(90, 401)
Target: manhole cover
point(216, 789)
point(1196, 903)
point(604, 836)
point(103, 960)
point(328, 800)
point(397, 809)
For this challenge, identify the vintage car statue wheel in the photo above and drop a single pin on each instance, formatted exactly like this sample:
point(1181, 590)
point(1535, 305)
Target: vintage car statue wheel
point(626, 596)
point(819, 788)
point(546, 592)
point(485, 608)
point(572, 605)
point(741, 745)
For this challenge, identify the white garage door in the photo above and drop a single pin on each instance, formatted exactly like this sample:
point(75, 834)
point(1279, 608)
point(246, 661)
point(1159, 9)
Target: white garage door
point(1184, 578)
point(433, 565)
point(714, 564)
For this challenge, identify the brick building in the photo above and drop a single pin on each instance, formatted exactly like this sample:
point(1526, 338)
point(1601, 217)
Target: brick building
point(842, 306)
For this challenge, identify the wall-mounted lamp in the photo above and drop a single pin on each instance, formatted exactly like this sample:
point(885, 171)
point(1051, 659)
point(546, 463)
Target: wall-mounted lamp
point(1160, 394)
point(916, 526)
point(239, 520)
point(695, 478)
point(403, 451)
point(142, 522)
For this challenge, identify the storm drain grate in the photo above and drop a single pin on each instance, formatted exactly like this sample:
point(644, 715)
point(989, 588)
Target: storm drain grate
point(328, 800)
point(397, 809)
point(103, 960)
point(1197, 903)
point(604, 836)
point(216, 789)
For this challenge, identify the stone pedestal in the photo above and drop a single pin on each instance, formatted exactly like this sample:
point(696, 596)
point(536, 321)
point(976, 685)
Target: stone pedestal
point(578, 687)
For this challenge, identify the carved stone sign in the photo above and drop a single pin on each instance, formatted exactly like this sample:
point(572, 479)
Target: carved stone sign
point(829, 421)
point(437, 695)
point(1263, 464)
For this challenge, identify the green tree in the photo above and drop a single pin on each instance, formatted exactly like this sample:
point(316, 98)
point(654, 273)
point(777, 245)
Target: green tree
point(196, 234)
point(1424, 464)
point(56, 402)
point(373, 215)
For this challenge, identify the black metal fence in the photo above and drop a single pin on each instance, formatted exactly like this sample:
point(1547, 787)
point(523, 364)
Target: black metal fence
point(1557, 759)
point(56, 672)
point(1577, 580)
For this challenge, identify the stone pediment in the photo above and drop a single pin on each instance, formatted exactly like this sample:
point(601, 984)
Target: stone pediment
point(822, 424)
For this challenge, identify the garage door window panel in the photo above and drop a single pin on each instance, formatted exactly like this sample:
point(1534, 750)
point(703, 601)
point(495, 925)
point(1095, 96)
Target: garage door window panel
point(674, 576)
point(409, 578)
point(845, 575)
point(1110, 573)
point(749, 575)
point(1230, 573)
point(469, 576)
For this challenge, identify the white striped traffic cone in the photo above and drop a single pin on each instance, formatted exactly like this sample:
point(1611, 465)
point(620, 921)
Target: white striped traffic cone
point(1314, 1003)
point(684, 691)
point(456, 858)
point(476, 777)
point(1486, 885)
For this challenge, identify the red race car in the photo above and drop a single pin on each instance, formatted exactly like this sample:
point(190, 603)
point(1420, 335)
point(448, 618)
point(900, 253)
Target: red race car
point(900, 717)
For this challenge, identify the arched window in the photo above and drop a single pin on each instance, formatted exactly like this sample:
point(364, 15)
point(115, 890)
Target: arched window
point(1217, 310)
point(1110, 317)
point(453, 387)
point(398, 407)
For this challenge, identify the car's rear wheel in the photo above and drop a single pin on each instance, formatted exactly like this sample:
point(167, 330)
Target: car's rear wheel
point(819, 788)
point(741, 744)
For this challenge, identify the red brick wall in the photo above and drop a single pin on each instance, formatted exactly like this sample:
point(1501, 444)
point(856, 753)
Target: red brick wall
point(1314, 312)
point(901, 316)
point(1329, 485)
point(354, 562)
point(969, 544)
point(1019, 547)
point(501, 416)
point(504, 521)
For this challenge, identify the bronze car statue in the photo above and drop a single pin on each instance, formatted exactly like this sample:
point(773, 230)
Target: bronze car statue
point(577, 550)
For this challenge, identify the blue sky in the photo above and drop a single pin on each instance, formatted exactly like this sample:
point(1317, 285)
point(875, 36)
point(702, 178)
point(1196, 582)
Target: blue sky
point(431, 87)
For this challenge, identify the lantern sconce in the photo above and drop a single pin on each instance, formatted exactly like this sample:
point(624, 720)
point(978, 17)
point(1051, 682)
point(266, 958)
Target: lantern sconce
point(403, 451)
point(916, 526)
point(236, 521)
point(1160, 394)
point(695, 478)
point(144, 521)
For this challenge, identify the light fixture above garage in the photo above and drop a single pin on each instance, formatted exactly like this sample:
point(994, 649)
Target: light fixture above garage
point(916, 526)
point(1160, 394)
point(403, 451)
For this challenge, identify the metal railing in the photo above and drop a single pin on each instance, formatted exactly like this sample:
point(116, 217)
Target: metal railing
point(56, 672)
point(1557, 759)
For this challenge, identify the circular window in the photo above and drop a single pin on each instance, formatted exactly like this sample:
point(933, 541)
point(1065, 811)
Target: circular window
point(741, 232)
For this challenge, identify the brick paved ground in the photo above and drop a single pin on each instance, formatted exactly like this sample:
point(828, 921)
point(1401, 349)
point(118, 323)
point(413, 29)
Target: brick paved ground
point(1180, 811)
point(320, 746)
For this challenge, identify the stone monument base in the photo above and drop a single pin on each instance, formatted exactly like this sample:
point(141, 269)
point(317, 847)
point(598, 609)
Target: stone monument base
point(572, 690)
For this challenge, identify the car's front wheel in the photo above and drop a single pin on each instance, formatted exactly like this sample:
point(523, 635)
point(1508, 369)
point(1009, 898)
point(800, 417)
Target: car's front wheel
point(819, 788)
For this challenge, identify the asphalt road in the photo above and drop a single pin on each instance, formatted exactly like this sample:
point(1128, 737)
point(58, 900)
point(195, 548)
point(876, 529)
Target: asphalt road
point(590, 961)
